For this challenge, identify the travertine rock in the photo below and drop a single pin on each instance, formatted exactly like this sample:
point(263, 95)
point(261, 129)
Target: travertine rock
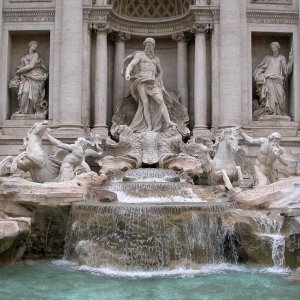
point(284, 193)
point(13, 234)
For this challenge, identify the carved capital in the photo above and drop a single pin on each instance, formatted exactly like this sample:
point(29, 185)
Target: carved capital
point(118, 36)
point(202, 28)
point(100, 27)
point(182, 36)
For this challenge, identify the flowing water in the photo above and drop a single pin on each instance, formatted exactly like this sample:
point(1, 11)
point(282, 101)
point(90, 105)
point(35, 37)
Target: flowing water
point(62, 280)
point(148, 237)
point(150, 246)
point(271, 228)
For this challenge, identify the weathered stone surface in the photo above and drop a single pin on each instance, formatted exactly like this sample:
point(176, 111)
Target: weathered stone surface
point(13, 234)
point(47, 205)
point(284, 193)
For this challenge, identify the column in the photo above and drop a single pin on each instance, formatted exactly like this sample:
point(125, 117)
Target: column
point(119, 85)
point(71, 66)
point(230, 63)
point(2, 110)
point(86, 74)
point(101, 69)
point(182, 67)
point(200, 81)
point(296, 70)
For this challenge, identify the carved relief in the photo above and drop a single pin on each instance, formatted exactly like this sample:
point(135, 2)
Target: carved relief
point(272, 18)
point(14, 1)
point(41, 15)
point(283, 2)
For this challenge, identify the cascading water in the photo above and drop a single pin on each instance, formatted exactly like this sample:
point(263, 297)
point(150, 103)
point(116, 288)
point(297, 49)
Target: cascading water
point(162, 222)
point(147, 236)
point(271, 228)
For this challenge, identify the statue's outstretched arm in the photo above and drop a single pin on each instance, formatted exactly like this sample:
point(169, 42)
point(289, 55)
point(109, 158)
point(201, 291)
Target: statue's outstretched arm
point(251, 140)
point(59, 144)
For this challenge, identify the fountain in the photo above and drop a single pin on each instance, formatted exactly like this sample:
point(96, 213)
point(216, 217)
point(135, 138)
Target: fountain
point(162, 202)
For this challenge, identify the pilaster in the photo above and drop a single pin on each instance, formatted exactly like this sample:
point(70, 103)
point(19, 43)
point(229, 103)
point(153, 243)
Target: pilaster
point(230, 63)
point(71, 66)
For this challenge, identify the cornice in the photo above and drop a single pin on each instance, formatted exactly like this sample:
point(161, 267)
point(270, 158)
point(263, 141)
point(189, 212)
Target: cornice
point(272, 17)
point(28, 15)
point(208, 14)
point(99, 14)
point(17, 1)
point(277, 2)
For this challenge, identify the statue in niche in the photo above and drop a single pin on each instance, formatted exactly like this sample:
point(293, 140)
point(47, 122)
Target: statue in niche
point(270, 78)
point(30, 80)
point(149, 107)
point(269, 152)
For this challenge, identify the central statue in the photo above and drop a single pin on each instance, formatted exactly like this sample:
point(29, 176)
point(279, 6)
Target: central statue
point(149, 107)
point(147, 88)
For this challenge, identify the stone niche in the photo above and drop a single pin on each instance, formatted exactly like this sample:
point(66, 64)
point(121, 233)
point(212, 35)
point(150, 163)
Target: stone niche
point(18, 44)
point(166, 49)
point(260, 48)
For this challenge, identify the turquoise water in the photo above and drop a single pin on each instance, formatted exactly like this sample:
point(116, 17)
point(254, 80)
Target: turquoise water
point(62, 280)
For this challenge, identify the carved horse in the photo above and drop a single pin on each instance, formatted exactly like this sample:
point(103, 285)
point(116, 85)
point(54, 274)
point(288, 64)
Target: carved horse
point(223, 168)
point(34, 159)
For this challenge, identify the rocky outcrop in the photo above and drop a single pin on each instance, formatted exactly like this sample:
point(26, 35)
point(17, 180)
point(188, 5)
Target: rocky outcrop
point(132, 234)
point(284, 193)
point(13, 235)
point(36, 215)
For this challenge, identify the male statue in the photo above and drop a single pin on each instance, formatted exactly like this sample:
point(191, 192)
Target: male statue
point(30, 80)
point(147, 89)
point(75, 156)
point(270, 77)
point(269, 152)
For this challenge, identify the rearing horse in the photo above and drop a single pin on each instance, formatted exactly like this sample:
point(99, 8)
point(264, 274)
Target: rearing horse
point(34, 159)
point(223, 168)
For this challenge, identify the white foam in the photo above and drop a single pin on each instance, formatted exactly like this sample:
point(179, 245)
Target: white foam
point(202, 270)
point(178, 272)
point(190, 197)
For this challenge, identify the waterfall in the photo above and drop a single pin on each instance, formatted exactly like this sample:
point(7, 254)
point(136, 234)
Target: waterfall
point(147, 236)
point(271, 228)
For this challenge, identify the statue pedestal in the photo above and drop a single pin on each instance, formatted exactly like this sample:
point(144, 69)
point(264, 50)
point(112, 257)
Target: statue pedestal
point(19, 116)
point(271, 123)
point(274, 118)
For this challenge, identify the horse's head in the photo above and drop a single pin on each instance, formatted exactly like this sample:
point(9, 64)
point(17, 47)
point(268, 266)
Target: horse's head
point(231, 137)
point(39, 128)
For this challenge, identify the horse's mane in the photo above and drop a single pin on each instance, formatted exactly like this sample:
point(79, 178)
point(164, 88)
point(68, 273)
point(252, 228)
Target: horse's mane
point(28, 134)
point(221, 136)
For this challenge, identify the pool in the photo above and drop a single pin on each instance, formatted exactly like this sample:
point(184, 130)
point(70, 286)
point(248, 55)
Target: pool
point(65, 280)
